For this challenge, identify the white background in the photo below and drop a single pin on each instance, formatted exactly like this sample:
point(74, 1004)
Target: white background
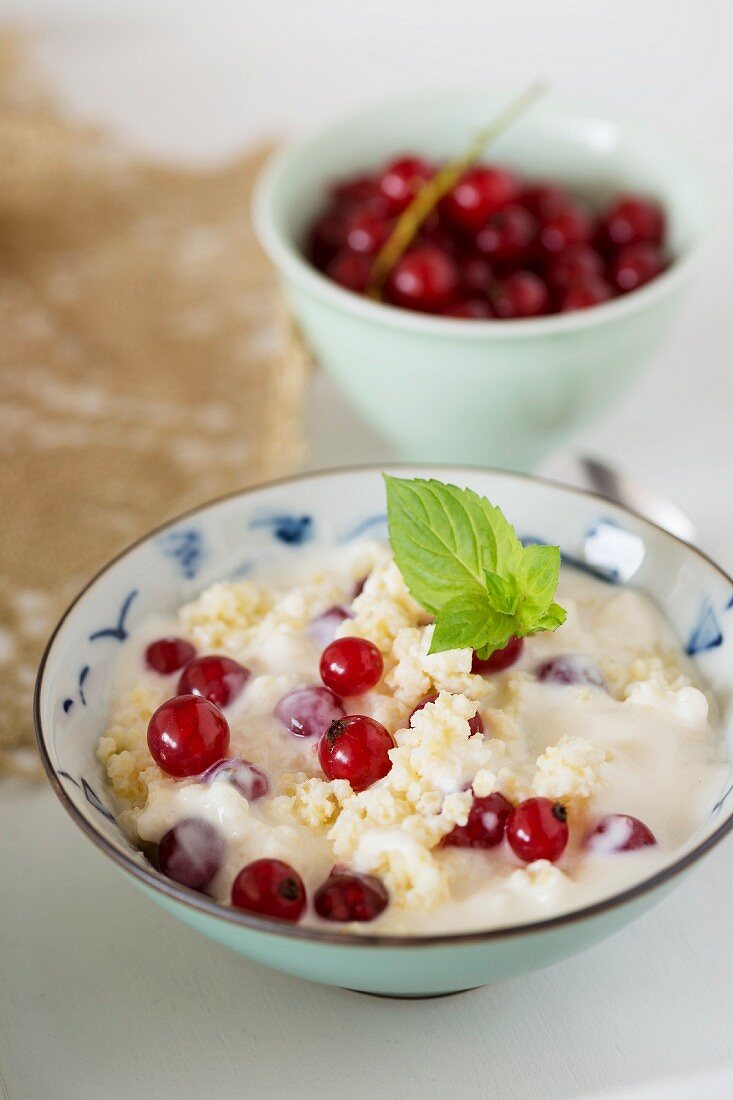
point(103, 996)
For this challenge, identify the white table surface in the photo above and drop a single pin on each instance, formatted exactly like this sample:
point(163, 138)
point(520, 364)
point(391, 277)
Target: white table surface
point(104, 996)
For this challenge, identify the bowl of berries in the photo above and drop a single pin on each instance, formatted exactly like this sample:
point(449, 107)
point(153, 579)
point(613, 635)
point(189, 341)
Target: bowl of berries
point(463, 725)
point(482, 305)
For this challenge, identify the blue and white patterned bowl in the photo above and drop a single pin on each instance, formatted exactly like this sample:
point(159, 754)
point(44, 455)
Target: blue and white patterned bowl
point(229, 538)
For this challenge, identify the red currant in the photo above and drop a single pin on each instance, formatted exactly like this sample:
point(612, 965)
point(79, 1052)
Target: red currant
point(359, 587)
point(186, 735)
point(508, 235)
point(586, 292)
point(401, 180)
point(356, 191)
point(619, 833)
point(477, 309)
point(366, 231)
point(167, 655)
point(632, 220)
point(476, 275)
point(309, 711)
point(571, 226)
point(346, 896)
point(489, 214)
point(425, 279)
point(545, 200)
point(635, 265)
point(479, 193)
point(574, 263)
point(499, 659)
point(327, 237)
point(351, 666)
point(218, 679)
point(191, 853)
point(434, 231)
point(251, 782)
point(522, 294)
point(350, 270)
point(486, 824)
point(355, 748)
point(270, 887)
point(538, 829)
point(475, 724)
point(322, 629)
point(569, 669)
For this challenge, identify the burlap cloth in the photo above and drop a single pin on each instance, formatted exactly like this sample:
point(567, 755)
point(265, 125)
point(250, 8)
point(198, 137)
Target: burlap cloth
point(144, 363)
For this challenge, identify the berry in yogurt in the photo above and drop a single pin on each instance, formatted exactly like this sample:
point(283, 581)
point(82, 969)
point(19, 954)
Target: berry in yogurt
point(486, 825)
point(538, 829)
point(167, 655)
point(309, 711)
point(351, 666)
point(356, 749)
point(323, 628)
point(619, 833)
point(186, 735)
point(569, 669)
point(218, 679)
point(500, 658)
point(191, 853)
point(271, 888)
point(251, 782)
point(346, 896)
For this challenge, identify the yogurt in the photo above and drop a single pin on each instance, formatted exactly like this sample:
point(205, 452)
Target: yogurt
point(604, 716)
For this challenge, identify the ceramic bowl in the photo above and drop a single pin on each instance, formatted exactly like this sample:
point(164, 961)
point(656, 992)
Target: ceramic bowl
point(491, 392)
point(274, 524)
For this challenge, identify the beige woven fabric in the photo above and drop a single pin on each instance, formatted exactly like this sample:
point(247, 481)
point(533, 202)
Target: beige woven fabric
point(143, 361)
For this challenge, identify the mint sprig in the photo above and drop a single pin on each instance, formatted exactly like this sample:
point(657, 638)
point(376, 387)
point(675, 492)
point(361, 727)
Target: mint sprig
point(462, 561)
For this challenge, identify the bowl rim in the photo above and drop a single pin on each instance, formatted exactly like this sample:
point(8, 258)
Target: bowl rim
point(288, 259)
point(207, 906)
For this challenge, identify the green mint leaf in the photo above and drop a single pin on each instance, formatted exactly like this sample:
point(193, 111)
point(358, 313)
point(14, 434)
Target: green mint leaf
point(462, 561)
point(537, 577)
point(506, 546)
point(503, 630)
point(441, 538)
point(463, 622)
point(503, 592)
point(554, 617)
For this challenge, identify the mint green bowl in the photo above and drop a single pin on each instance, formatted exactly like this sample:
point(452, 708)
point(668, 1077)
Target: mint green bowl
point(171, 565)
point(494, 392)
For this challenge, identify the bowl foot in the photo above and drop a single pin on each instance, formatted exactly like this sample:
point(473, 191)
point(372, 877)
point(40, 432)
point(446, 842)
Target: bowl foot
point(413, 996)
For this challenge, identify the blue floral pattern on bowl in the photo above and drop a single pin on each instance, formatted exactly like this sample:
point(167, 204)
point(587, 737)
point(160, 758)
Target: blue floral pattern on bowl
point(186, 549)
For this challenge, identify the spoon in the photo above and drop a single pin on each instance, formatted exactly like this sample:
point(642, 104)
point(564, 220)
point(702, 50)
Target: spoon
point(584, 472)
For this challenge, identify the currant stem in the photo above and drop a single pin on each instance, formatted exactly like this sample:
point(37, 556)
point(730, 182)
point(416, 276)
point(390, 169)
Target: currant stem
point(433, 190)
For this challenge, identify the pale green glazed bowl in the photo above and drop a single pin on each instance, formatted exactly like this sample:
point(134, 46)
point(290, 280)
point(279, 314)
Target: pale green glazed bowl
point(275, 523)
point(493, 392)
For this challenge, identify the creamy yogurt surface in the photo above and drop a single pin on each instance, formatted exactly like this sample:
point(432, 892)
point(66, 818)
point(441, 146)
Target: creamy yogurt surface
point(642, 742)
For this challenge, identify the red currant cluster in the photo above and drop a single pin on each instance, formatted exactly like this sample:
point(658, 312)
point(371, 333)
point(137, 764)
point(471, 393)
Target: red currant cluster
point(495, 246)
point(189, 736)
point(538, 829)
